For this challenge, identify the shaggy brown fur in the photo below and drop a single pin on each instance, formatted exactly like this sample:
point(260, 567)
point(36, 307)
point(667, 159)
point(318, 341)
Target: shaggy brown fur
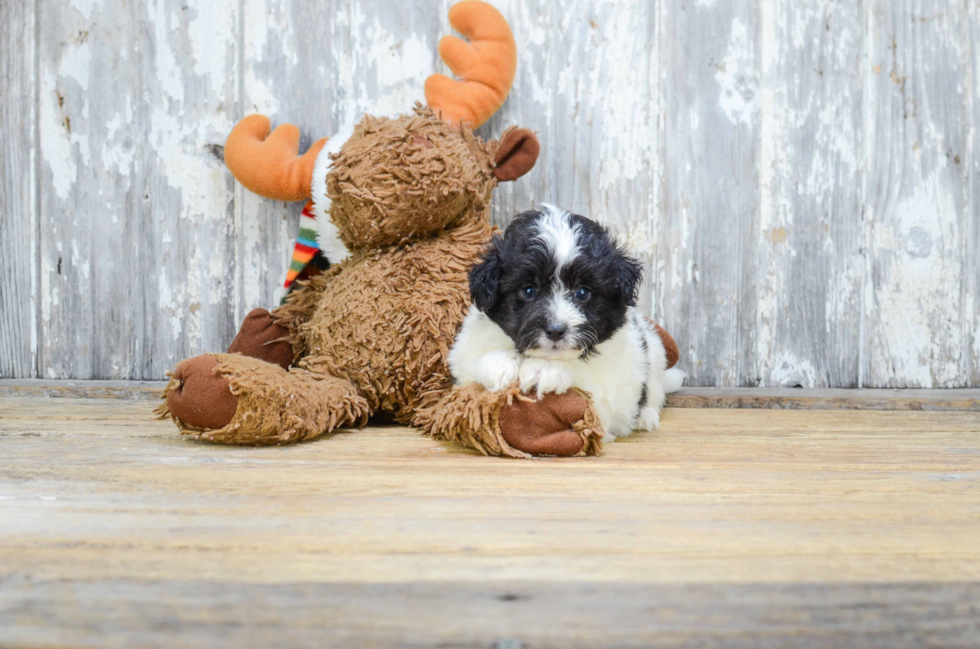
point(402, 179)
point(410, 196)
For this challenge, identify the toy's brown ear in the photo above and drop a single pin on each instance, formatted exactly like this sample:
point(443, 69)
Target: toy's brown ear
point(516, 154)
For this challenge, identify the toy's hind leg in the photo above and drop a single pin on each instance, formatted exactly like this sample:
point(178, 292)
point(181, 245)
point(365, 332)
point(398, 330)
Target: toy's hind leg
point(233, 399)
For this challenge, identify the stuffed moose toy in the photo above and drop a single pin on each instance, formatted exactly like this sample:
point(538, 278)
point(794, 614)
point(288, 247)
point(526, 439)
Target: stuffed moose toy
point(400, 208)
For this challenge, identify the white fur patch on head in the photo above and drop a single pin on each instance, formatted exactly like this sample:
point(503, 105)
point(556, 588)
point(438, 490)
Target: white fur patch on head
point(555, 229)
point(560, 236)
point(328, 237)
point(564, 310)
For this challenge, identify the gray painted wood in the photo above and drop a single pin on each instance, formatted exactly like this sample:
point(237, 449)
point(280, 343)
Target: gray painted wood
point(809, 239)
point(137, 230)
point(921, 313)
point(972, 258)
point(18, 219)
point(787, 171)
point(711, 175)
point(89, 123)
point(190, 55)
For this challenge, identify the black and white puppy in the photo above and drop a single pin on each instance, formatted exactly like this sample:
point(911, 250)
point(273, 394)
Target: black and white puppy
point(553, 308)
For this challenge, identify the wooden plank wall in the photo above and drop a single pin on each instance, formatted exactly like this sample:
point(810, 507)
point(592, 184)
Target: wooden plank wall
point(18, 216)
point(800, 178)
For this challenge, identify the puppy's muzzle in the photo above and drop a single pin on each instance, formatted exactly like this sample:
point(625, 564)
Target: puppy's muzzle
point(556, 331)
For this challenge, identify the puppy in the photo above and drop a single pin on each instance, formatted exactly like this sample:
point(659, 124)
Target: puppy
point(553, 308)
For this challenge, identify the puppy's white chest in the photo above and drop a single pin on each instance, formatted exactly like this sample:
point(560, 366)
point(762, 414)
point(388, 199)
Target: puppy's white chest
point(615, 377)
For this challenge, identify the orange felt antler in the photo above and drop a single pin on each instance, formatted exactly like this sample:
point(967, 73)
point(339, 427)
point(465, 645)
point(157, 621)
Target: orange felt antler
point(486, 65)
point(269, 165)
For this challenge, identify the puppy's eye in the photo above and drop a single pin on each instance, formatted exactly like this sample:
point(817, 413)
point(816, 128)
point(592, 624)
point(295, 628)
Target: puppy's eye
point(582, 294)
point(528, 292)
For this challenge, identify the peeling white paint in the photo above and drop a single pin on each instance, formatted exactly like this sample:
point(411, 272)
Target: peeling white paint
point(737, 77)
point(117, 152)
point(403, 64)
point(56, 145)
point(789, 372)
point(167, 69)
point(626, 143)
point(258, 22)
point(76, 64)
point(86, 7)
point(767, 310)
point(914, 294)
point(213, 56)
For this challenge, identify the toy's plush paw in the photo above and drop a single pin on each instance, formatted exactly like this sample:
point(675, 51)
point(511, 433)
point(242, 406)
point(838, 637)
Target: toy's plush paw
point(547, 376)
point(545, 426)
point(497, 370)
point(202, 397)
point(263, 338)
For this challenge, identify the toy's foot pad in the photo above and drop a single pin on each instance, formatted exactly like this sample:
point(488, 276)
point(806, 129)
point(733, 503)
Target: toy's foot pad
point(202, 397)
point(545, 426)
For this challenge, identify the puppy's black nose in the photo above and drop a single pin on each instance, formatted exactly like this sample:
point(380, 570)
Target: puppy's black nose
point(556, 330)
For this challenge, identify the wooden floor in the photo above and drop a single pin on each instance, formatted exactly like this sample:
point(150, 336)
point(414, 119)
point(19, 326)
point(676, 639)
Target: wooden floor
point(728, 527)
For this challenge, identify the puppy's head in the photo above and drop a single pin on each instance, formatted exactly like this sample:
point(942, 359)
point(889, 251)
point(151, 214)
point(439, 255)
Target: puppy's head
point(556, 283)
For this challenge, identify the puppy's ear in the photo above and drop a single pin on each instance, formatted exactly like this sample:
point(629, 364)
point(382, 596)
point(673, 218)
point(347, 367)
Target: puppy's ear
point(485, 277)
point(627, 274)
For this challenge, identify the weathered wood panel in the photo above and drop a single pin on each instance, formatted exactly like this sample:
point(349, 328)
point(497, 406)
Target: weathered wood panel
point(799, 178)
point(89, 126)
point(810, 234)
point(710, 198)
point(189, 56)
point(972, 260)
point(920, 314)
point(137, 234)
point(18, 217)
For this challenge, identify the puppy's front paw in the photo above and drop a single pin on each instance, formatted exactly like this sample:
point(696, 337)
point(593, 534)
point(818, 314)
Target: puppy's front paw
point(649, 419)
point(548, 376)
point(497, 370)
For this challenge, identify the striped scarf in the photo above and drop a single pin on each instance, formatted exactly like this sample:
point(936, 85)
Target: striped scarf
point(305, 248)
point(317, 233)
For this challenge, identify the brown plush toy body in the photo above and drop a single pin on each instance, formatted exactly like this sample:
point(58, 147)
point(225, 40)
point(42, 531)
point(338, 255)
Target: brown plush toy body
point(409, 200)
